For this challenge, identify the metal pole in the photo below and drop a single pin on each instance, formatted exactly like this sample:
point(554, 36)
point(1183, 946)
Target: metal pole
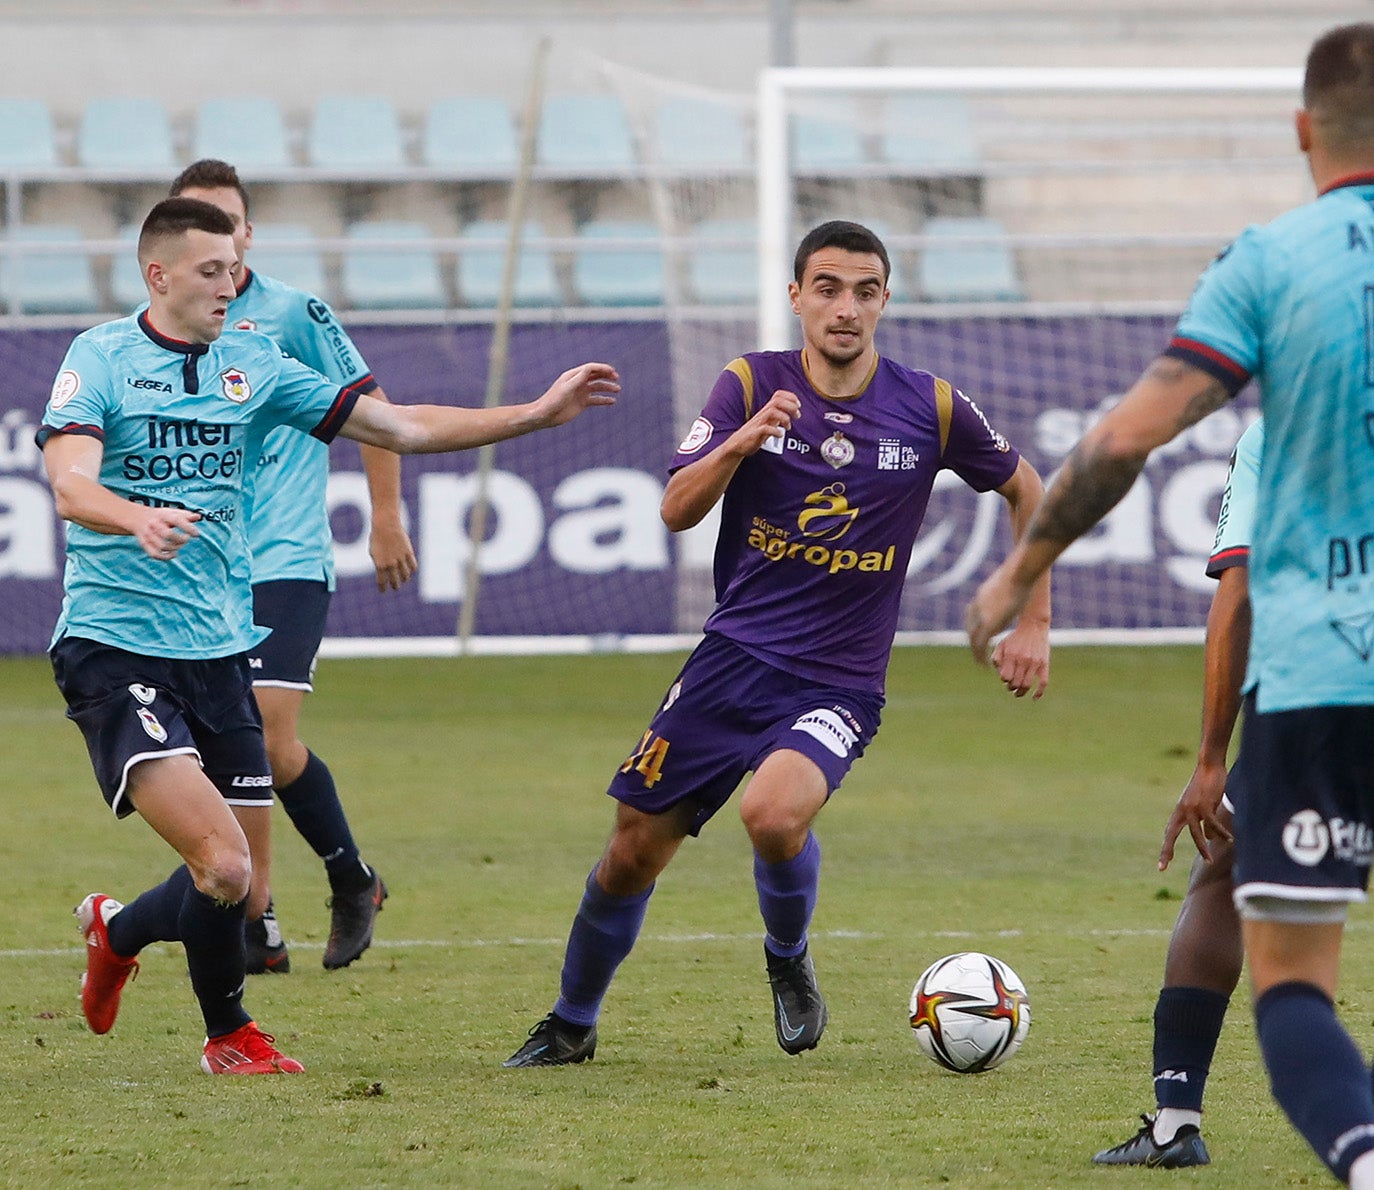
point(782, 33)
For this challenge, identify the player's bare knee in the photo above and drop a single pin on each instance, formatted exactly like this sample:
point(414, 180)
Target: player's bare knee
point(226, 874)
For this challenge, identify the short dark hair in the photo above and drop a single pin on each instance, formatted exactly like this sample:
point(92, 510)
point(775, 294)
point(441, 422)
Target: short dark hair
point(209, 173)
point(1338, 86)
point(177, 216)
point(839, 233)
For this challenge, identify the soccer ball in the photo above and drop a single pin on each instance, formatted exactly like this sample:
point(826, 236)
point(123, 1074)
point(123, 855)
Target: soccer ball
point(970, 1012)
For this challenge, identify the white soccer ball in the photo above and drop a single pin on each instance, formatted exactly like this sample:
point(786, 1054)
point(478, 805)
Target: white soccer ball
point(970, 1012)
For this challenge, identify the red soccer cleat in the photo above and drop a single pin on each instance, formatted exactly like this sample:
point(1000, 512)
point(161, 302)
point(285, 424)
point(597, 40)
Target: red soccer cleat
point(247, 1050)
point(106, 972)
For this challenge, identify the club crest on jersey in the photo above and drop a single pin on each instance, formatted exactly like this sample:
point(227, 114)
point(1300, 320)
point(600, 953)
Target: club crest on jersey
point(151, 725)
point(64, 388)
point(837, 450)
point(245, 324)
point(235, 386)
point(144, 694)
point(697, 436)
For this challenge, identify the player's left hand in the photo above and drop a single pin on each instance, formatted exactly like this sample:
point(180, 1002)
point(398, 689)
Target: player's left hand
point(392, 553)
point(995, 605)
point(1022, 659)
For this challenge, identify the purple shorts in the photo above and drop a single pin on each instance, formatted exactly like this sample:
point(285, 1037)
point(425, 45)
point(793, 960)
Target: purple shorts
point(723, 715)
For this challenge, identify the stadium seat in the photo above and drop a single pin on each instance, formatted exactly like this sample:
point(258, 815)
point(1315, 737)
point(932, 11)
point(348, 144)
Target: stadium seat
point(480, 269)
point(472, 133)
point(247, 131)
point(701, 135)
point(26, 134)
point(125, 134)
point(391, 278)
point(827, 142)
point(355, 131)
point(299, 266)
point(589, 133)
point(126, 277)
point(606, 276)
point(929, 132)
point(51, 283)
point(724, 274)
point(967, 272)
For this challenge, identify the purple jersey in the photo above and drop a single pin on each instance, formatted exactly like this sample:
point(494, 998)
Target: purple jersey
point(817, 528)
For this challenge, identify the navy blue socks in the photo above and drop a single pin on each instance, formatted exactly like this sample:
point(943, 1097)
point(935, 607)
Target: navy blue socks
point(1187, 1025)
point(312, 803)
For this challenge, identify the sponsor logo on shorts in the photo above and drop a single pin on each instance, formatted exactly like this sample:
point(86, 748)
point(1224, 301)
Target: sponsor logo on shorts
point(64, 388)
point(1308, 839)
point(255, 663)
point(673, 692)
point(697, 437)
point(832, 731)
point(144, 694)
point(252, 782)
point(151, 725)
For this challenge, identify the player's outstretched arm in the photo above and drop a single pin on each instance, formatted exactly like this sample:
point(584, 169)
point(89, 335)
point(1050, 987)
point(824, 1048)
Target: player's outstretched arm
point(1228, 646)
point(73, 466)
point(434, 429)
point(693, 490)
point(388, 544)
point(1168, 398)
point(1022, 657)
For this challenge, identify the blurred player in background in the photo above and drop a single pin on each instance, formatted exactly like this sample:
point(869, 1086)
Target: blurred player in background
point(151, 428)
point(1291, 304)
point(825, 459)
point(1205, 951)
point(293, 576)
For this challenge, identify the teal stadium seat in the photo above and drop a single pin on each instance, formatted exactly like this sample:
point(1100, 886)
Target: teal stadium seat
point(126, 277)
point(391, 278)
point(245, 130)
point(355, 132)
point(585, 133)
point(631, 276)
point(298, 266)
point(724, 274)
point(26, 135)
point(125, 133)
point(929, 133)
point(700, 135)
point(973, 272)
point(480, 269)
point(829, 141)
point(472, 134)
point(48, 283)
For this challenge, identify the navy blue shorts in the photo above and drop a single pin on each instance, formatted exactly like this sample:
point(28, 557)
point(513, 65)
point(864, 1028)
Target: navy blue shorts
point(1305, 825)
point(295, 610)
point(725, 713)
point(132, 708)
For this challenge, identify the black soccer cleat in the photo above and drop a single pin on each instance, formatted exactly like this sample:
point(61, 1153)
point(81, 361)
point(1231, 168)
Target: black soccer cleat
point(1186, 1149)
point(264, 948)
point(799, 1014)
point(352, 916)
point(554, 1042)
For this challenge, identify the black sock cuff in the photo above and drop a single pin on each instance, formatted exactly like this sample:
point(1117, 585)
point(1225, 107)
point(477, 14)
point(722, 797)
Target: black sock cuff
point(1191, 1011)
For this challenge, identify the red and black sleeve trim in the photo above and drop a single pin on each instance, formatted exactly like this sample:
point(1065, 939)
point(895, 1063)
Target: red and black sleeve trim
point(73, 427)
point(332, 422)
point(1237, 555)
point(1233, 376)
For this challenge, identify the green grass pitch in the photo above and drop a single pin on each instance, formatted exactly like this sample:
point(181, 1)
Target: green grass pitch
point(476, 787)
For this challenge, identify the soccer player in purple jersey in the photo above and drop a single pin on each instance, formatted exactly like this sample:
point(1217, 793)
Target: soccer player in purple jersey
point(824, 459)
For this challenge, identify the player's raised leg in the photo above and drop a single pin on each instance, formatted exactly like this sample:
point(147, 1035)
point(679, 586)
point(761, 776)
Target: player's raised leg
point(777, 807)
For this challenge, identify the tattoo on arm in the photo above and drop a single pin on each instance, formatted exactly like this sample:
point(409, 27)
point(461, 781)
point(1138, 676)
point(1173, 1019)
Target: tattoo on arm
point(1089, 487)
point(1212, 397)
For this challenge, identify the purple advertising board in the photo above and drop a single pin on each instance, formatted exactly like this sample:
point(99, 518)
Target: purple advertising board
point(573, 543)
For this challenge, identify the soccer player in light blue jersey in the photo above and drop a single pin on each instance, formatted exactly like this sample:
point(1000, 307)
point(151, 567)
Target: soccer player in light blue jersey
point(1204, 959)
point(148, 436)
point(1292, 305)
point(823, 461)
point(293, 577)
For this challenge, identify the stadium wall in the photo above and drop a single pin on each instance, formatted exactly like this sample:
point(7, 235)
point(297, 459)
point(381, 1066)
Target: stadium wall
point(576, 545)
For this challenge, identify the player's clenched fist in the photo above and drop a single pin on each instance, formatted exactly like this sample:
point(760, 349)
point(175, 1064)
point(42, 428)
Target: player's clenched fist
point(163, 531)
point(772, 421)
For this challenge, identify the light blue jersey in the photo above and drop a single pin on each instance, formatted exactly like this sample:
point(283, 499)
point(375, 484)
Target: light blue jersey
point(1236, 521)
point(1292, 304)
point(181, 425)
point(288, 529)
